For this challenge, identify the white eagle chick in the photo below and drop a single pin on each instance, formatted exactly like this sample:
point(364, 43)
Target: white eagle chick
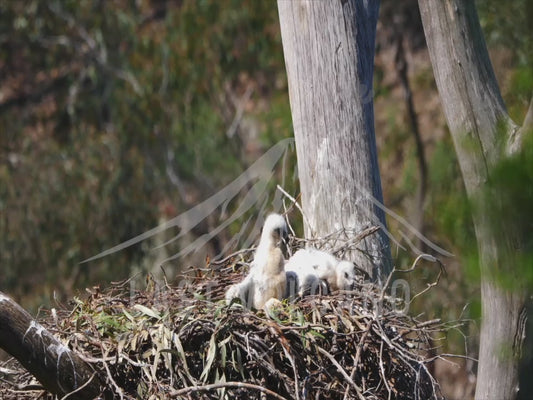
point(302, 274)
point(241, 291)
point(266, 279)
point(312, 266)
point(268, 272)
point(346, 278)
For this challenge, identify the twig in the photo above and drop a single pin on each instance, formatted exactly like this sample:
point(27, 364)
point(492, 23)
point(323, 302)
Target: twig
point(443, 355)
point(239, 111)
point(215, 386)
point(358, 355)
point(295, 202)
point(356, 239)
point(343, 372)
point(382, 369)
point(287, 350)
point(80, 388)
point(427, 257)
point(232, 255)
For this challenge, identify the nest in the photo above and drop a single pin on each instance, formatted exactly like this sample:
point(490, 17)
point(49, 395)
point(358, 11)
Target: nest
point(184, 342)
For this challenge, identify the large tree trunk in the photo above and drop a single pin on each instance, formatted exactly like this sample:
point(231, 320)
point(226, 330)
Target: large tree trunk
point(329, 55)
point(475, 113)
point(58, 369)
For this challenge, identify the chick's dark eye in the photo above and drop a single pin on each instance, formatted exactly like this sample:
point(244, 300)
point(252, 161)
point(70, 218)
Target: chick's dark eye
point(346, 274)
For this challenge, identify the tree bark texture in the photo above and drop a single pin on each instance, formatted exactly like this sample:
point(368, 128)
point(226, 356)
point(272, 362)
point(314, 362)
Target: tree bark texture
point(476, 116)
point(59, 370)
point(329, 56)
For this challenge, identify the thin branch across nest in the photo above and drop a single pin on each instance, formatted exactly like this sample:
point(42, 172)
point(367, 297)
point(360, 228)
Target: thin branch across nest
point(185, 343)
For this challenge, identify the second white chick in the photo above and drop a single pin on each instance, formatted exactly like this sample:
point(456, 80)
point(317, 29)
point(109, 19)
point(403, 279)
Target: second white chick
point(345, 274)
point(311, 265)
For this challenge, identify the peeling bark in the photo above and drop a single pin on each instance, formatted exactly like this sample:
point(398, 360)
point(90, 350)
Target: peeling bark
point(58, 368)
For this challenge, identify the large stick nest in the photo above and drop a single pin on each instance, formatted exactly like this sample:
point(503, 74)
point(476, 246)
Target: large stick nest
point(184, 342)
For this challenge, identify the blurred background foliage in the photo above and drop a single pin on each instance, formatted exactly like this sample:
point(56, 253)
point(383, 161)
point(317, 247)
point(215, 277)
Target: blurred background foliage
point(507, 25)
point(118, 115)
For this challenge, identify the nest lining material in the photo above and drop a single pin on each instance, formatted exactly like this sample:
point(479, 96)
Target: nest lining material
point(185, 343)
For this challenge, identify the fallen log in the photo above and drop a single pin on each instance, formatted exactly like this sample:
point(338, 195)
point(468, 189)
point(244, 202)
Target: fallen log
point(60, 370)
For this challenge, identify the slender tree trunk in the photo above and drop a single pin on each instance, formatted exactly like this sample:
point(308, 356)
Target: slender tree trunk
point(401, 68)
point(475, 113)
point(59, 369)
point(329, 56)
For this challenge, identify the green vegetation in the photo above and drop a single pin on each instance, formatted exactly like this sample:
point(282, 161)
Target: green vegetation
point(507, 27)
point(510, 213)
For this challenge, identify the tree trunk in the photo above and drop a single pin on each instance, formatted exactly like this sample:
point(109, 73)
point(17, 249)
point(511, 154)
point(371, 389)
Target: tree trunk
point(329, 56)
point(59, 370)
point(475, 113)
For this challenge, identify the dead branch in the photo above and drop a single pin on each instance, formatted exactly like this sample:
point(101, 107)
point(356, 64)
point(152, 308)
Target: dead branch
point(57, 367)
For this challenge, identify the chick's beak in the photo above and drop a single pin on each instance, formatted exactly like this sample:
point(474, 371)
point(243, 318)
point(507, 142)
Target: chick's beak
point(283, 236)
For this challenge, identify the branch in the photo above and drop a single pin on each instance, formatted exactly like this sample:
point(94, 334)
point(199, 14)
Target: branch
point(59, 369)
point(517, 136)
point(215, 386)
point(343, 372)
